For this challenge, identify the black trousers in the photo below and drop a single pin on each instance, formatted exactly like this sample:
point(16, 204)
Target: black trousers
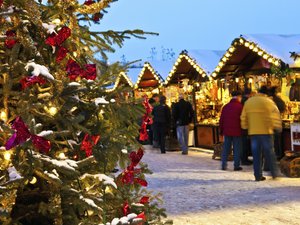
point(161, 130)
point(246, 148)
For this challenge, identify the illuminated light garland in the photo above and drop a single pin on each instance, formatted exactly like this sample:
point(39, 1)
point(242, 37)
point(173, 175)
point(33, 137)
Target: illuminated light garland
point(118, 80)
point(248, 44)
point(191, 61)
point(150, 68)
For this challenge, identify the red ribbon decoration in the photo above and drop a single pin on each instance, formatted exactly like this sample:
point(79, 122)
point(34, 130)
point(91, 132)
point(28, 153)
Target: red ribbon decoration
point(89, 2)
point(136, 157)
point(74, 70)
point(61, 53)
point(88, 142)
point(22, 134)
point(97, 17)
point(144, 200)
point(141, 216)
point(126, 209)
point(57, 40)
point(146, 120)
point(31, 80)
point(141, 182)
point(128, 175)
point(10, 40)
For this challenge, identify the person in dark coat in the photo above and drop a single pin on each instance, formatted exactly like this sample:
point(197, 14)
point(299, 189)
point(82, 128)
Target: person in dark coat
point(230, 127)
point(277, 135)
point(183, 114)
point(161, 122)
point(246, 143)
point(154, 100)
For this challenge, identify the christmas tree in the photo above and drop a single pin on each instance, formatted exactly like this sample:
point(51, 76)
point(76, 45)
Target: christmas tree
point(68, 147)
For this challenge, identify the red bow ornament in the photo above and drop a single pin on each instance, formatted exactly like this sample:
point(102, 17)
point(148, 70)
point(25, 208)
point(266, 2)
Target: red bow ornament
point(136, 157)
point(31, 80)
point(22, 134)
point(88, 142)
point(56, 40)
point(10, 40)
point(74, 70)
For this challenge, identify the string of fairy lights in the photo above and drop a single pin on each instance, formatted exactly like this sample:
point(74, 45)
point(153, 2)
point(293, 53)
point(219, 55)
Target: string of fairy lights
point(118, 80)
point(254, 47)
point(184, 55)
point(155, 74)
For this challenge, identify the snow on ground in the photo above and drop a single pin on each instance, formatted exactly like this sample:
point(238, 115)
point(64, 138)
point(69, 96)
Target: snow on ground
point(196, 191)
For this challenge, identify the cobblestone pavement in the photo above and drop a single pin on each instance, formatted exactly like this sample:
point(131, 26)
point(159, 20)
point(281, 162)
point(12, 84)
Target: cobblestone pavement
point(196, 191)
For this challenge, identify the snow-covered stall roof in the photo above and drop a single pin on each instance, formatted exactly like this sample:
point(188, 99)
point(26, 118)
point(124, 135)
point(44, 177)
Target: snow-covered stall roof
point(277, 45)
point(203, 61)
point(148, 67)
point(121, 76)
point(274, 49)
point(162, 67)
point(206, 59)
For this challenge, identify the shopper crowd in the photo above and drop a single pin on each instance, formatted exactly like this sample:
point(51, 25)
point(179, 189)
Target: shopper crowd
point(253, 121)
point(250, 123)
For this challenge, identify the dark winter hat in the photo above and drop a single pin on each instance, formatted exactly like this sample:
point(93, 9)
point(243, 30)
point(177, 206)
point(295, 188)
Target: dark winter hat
point(162, 99)
point(263, 90)
point(236, 93)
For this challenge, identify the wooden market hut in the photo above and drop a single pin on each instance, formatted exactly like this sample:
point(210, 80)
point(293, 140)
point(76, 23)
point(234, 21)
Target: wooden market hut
point(148, 82)
point(122, 80)
point(190, 73)
point(250, 61)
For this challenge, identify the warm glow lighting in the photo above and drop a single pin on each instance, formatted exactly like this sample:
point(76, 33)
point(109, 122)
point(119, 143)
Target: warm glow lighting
point(56, 21)
point(61, 155)
point(255, 49)
point(270, 60)
point(237, 80)
point(52, 110)
point(218, 69)
point(214, 74)
point(75, 54)
point(7, 156)
point(231, 49)
point(276, 63)
point(241, 40)
point(247, 44)
point(251, 47)
point(33, 181)
point(3, 116)
point(250, 80)
point(221, 64)
point(260, 53)
point(265, 56)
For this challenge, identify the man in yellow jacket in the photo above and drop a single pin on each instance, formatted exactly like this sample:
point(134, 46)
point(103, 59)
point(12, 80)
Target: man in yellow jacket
point(261, 118)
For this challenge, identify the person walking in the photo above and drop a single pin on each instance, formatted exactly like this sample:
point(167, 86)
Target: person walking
point(278, 135)
point(183, 114)
point(161, 122)
point(230, 127)
point(261, 117)
point(154, 101)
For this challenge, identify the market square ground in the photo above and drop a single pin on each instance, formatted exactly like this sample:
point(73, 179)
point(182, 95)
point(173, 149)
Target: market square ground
point(196, 191)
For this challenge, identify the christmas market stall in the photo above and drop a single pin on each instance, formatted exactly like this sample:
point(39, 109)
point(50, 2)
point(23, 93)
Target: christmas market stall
point(191, 75)
point(149, 82)
point(124, 83)
point(255, 60)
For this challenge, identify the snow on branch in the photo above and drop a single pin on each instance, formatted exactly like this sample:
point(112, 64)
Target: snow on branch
point(39, 70)
point(102, 178)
